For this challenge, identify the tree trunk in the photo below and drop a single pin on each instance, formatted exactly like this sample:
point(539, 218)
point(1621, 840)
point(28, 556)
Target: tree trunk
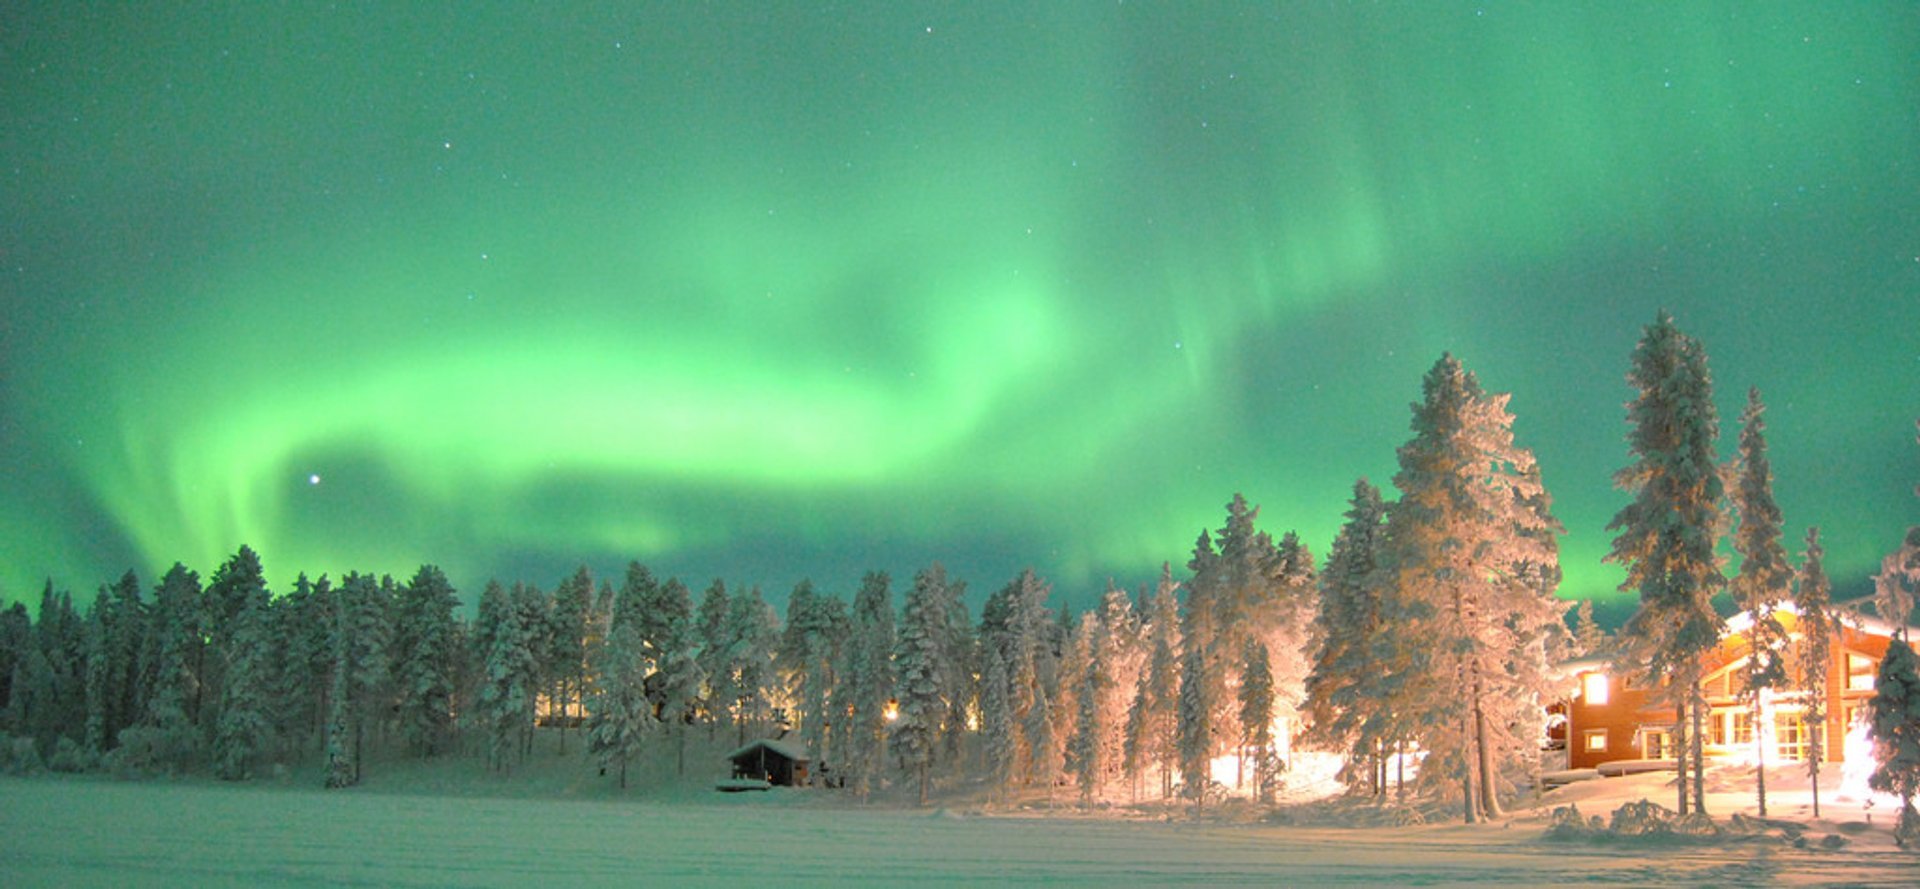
point(1489, 788)
point(1699, 748)
point(1759, 756)
point(1469, 794)
point(1679, 744)
point(1813, 770)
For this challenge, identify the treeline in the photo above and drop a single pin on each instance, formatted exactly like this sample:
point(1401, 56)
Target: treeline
point(1426, 637)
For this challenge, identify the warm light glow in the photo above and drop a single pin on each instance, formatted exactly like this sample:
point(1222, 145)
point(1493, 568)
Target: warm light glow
point(892, 712)
point(1859, 766)
point(1593, 687)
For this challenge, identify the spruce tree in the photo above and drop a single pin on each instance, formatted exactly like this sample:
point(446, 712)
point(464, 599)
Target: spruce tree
point(423, 660)
point(1763, 581)
point(1668, 536)
point(1195, 727)
point(175, 629)
point(619, 714)
point(1472, 549)
point(1894, 724)
point(869, 678)
point(1256, 717)
point(566, 667)
point(920, 674)
point(1812, 598)
point(997, 723)
point(753, 636)
point(1347, 708)
point(242, 734)
point(714, 652)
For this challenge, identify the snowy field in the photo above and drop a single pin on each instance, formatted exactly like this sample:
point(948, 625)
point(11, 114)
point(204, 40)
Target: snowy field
point(99, 832)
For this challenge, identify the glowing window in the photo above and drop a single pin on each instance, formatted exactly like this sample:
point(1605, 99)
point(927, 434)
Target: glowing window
point(1594, 740)
point(1593, 687)
point(1860, 672)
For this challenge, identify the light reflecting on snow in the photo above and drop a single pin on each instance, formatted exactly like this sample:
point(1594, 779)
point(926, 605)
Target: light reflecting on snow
point(1859, 767)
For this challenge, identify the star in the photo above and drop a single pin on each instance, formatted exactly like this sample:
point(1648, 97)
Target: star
point(313, 479)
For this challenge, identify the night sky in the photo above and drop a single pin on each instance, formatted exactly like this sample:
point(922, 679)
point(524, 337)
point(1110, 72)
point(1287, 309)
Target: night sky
point(777, 289)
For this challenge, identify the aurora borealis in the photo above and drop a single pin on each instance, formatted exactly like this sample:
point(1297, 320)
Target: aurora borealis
point(773, 290)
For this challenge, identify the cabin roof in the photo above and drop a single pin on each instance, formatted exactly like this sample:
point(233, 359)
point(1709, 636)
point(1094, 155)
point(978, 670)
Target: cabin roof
point(787, 749)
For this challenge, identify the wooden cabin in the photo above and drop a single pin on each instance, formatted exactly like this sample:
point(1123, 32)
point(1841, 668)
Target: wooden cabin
point(779, 763)
point(1608, 719)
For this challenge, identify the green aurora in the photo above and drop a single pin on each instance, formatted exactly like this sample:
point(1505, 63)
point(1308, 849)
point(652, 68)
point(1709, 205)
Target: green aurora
point(778, 289)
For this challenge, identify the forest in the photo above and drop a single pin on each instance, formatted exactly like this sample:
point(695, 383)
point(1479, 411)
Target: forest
point(1421, 650)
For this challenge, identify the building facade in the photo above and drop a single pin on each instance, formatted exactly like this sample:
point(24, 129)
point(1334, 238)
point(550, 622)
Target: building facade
point(1608, 719)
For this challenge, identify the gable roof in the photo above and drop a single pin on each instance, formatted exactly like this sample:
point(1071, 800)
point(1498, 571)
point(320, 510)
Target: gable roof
point(787, 749)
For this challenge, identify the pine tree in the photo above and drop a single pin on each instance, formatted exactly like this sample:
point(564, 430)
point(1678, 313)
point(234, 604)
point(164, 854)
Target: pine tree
point(1812, 598)
point(668, 639)
point(919, 673)
point(714, 652)
point(536, 628)
point(175, 629)
point(1588, 637)
point(16, 636)
point(361, 672)
point(816, 629)
point(1152, 717)
point(1089, 751)
point(303, 624)
point(619, 715)
point(566, 667)
point(997, 723)
point(1348, 708)
point(242, 734)
point(234, 587)
point(1256, 716)
point(423, 660)
point(869, 680)
point(511, 668)
point(753, 635)
point(1471, 542)
point(1195, 726)
point(1668, 535)
point(1894, 724)
point(1764, 579)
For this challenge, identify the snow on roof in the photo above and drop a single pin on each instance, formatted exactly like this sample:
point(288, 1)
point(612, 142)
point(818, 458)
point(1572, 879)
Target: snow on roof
point(787, 749)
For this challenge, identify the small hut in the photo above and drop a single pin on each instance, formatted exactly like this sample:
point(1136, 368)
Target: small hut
point(779, 763)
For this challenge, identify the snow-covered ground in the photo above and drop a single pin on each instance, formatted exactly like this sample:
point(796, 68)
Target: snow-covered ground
point(448, 827)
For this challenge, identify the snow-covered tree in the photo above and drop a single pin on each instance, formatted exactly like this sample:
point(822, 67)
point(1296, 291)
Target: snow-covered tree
point(1349, 708)
point(753, 637)
point(1472, 546)
point(177, 644)
point(816, 630)
point(1256, 717)
point(243, 732)
point(362, 664)
point(1195, 728)
point(303, 625)
point(920, 674)
point(1588, 637)
point(714, 651)
point(1016, 627)
point(1764, 580)
point(1812, 598)
point(997, 723)
point(1089, 751)
point(666, 631)
point(1893, 716)
point(620, 717)
point(566, 667)
point(234, 587)
point(424, 637)
point(505, 700)
point(869, 681)
point(1668, 535)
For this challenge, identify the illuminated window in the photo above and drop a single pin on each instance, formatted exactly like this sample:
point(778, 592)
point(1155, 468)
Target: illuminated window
point(1860, 672)
point(1790, 736)
point(1593, 687)
point(1742, 727)
point(1594, 740)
